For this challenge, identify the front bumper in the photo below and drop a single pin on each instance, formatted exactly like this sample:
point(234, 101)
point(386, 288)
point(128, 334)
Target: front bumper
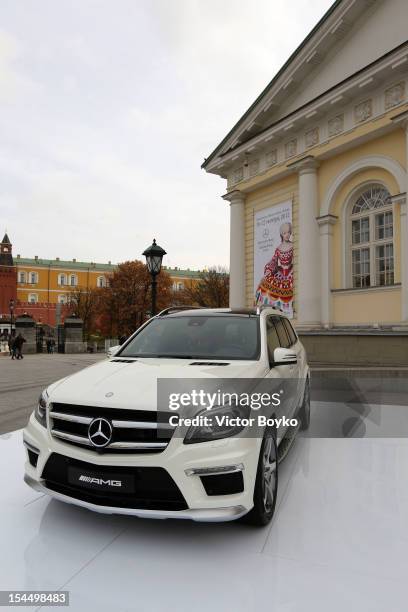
point(182, 462)
point(196, 514)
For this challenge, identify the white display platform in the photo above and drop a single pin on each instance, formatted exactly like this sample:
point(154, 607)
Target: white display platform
point(338, 542)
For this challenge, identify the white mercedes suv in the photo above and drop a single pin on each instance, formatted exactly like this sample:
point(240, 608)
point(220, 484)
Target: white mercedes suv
point(105, 439)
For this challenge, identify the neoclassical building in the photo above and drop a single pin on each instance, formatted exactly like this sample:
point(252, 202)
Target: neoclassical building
point(316, 174)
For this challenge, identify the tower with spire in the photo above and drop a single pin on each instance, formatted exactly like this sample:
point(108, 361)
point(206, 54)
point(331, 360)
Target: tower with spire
point(8, 275)
point(6, 251)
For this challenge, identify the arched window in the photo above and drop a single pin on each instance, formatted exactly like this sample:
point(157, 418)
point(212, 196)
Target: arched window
point(21, 277)
point(73, 280)
point(62, 279)
point(33, 276)
point(33, 298)
point(371, 230)
point(62, 299)
point(101, 281)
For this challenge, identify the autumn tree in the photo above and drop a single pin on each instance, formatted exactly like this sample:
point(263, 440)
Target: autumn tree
point(125, 303)
point(210, 291)
point(85, 304)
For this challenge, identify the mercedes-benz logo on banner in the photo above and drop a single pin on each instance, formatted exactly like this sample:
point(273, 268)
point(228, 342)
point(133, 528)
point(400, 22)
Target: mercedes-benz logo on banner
point(100, 432)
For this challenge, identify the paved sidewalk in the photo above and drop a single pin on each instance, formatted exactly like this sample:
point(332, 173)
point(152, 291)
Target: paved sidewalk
point(21, 382)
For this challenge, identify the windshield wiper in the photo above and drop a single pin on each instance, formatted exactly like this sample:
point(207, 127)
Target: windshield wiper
point(176, 356)
point(159, 356)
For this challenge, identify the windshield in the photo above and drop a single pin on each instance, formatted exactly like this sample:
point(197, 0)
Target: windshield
point(197, 337)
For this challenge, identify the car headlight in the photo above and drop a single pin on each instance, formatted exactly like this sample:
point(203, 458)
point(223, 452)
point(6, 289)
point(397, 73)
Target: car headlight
point(217, 427)
point(40, 411)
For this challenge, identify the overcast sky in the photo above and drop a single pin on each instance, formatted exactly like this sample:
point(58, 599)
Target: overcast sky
point(108, 109)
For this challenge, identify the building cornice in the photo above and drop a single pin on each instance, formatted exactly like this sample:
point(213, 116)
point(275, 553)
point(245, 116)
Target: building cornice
point(365, 96)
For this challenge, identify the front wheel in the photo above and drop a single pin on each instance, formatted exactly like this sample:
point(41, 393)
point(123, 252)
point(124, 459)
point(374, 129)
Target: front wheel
point(304, 412)
point(266, 484)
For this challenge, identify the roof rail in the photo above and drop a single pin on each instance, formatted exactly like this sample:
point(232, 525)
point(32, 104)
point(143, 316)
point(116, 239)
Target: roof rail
point(171, 309)
point(262, 307)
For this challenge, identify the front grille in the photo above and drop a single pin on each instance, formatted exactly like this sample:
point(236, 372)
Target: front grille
point(154, 487)
point(132, 430)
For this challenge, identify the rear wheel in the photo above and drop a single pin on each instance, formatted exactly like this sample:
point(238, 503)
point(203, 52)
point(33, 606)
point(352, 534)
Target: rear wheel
point(266, 484)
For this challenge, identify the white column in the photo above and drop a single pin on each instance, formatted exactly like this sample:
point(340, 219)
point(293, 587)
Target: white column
point(325, 224)
point(404, 259)
point(237, 248)
point(307, 283)
point(404, 240)
point(402, 121)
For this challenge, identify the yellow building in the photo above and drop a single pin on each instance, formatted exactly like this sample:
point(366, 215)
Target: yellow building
point(316, 174)
point(51, 281)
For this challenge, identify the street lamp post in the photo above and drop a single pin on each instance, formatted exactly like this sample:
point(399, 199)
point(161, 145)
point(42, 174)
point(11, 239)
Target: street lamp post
point(154, 256)
point(11, 309)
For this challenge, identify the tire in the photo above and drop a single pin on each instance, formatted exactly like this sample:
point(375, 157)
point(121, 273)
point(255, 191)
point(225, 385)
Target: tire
point(304, 412)
point(265, 494)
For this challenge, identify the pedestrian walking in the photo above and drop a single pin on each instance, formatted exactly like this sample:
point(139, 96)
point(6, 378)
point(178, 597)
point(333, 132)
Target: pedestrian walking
point(11, 346)
point(18, 345)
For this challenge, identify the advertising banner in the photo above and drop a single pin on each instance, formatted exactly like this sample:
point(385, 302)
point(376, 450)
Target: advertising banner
point(273, 257)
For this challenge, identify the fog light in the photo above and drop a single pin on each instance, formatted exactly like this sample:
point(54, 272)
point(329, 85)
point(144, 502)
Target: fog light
point(214, 471)
point(33, 453)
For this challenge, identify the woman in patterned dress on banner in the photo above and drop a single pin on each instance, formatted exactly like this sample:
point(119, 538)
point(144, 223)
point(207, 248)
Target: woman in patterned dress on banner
point(276, 286)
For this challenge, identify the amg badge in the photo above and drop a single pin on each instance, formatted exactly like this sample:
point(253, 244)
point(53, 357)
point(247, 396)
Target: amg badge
point(100, 481)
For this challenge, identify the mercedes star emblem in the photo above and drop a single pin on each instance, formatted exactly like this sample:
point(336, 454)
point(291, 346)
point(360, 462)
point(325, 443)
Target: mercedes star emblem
point(100, 432)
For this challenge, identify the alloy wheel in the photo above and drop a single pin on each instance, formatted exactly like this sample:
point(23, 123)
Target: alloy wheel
point(269, 465)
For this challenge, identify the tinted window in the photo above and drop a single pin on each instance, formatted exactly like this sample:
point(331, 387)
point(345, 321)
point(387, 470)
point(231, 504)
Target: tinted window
point(272, 337)
point(290, 331)
point(197, 337)
point(283, 337)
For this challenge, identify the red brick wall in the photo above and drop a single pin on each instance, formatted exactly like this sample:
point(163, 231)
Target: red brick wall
point(8, 288)
point(43, 312)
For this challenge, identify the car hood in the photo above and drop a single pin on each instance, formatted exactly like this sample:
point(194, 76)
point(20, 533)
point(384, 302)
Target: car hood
point(120, 384)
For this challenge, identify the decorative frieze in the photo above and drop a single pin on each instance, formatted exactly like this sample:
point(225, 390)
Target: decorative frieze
point(254, 167)
point(237, 175)
point(394, 95)
point(363, 111)
point(271, 158)
point(291, 148)
point(312, 137)
point(336, 125)
point(384, 98)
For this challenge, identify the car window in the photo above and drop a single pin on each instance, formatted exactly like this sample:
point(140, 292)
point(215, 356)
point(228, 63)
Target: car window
point(281, 331)
point(198, 337)
point(272, 337)
point(290, 331)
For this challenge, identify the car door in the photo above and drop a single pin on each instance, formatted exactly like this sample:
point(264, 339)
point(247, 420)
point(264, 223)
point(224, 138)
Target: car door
point(291, 371)
point(277, 337)
point(297, 347)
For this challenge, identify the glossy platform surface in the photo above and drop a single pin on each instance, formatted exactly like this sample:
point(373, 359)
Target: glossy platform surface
point(338, 542)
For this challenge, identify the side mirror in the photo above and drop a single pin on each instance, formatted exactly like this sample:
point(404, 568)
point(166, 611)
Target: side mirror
point(112, 351)
point(283, 356)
